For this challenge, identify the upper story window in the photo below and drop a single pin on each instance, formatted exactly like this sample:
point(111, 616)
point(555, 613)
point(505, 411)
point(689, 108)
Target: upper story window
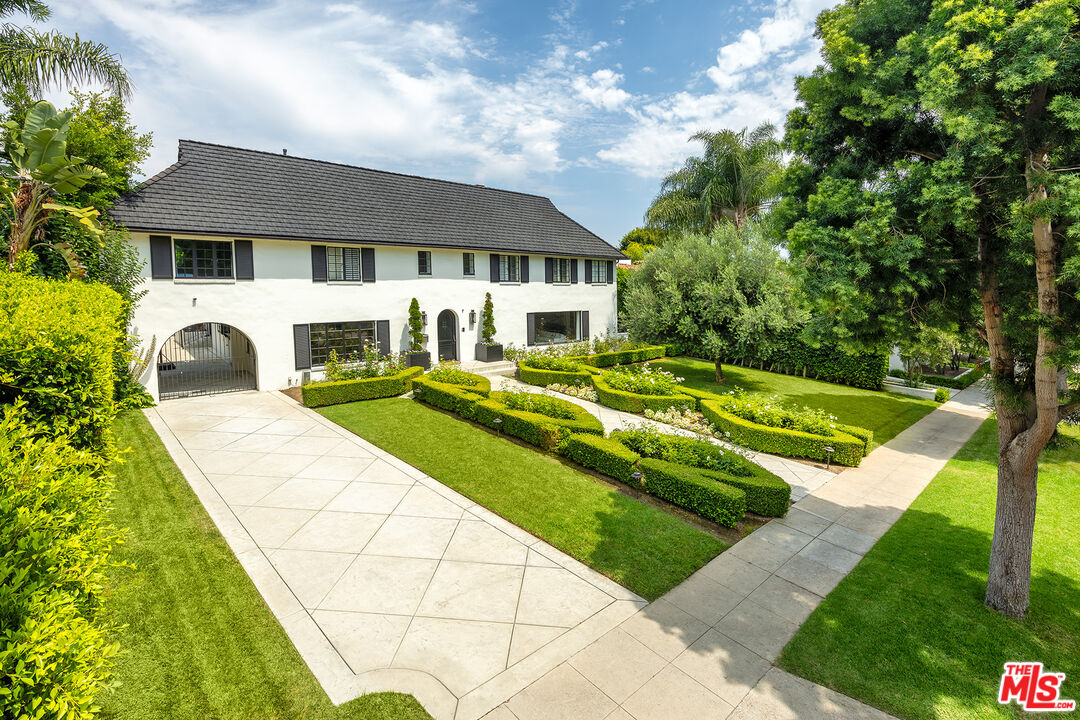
point(343, 264)
point(599, 272)
point(468, 264)
point(204, 258)
point(509, 268)
point(560, 270)
point(423, 262)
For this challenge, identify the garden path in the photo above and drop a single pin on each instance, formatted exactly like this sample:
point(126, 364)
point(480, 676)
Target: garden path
point(802, 477)
point(706, 649)
point(383, 578)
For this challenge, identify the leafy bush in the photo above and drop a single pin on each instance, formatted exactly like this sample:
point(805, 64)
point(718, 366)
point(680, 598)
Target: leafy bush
point(695, 490)
point(539, 404)
point(545, 426)
point(542, 360)
point(941, 395)
point(345, 391)
point(55, 543)
point(371, 364)
point(649, 442)
point(602, 454)
point(57, 346)
point(771, 412)
point(634, 402)
point(642, 380)
point(451, 374)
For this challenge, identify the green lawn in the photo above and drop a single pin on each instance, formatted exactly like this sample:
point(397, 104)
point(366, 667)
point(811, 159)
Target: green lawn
point(200, 642)
point(884, 413)
point(907, 631)
point(637, 545)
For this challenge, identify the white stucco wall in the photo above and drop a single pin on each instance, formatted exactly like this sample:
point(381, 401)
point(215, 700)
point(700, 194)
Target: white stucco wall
point(283, 294)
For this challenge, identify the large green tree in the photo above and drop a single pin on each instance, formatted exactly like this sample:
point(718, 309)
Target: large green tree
point(733, 180)
point(41, 60)
point(722, 294)
point(935, 181)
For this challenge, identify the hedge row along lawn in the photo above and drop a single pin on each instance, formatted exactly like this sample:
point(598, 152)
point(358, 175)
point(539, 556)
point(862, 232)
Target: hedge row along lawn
point(200, 641)
point(907, 630)
point(886, 414)
point(637, 545)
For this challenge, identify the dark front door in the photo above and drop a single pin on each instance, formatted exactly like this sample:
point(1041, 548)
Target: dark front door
point(447, 335)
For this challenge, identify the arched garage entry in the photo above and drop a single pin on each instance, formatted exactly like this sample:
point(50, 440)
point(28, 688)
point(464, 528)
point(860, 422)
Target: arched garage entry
point(206, 359)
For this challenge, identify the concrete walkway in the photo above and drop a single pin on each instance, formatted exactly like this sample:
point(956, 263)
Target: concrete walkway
point(706, 649)
point(802, 477)
point(383, 578)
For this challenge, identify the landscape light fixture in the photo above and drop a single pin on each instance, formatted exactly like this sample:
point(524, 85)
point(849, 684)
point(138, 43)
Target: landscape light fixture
point(828, 456)
point(636, 477)
point(498, 425)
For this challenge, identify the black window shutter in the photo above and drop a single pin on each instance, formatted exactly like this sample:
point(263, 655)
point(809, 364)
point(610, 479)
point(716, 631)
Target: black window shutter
point(610, 271)
point(161, 257)
point(245, 263)
point(573, 270)
point(549, 273)
point(494, 267)
point(318, 263)
point(530, 333)
point(588, 271)
point(302, 346)
point(382, 335)
point(584, 325)
point(367, 264)
point(524, 272)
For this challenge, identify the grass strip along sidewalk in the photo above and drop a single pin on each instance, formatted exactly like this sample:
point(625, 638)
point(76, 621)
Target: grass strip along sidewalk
point(907, 630)
point(639, 546)
point(200, 642)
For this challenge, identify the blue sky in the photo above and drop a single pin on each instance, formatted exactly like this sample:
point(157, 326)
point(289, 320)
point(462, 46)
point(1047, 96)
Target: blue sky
point(587, 102)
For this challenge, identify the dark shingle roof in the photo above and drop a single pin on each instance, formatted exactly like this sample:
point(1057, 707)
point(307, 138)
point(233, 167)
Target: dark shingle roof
point(220, 190)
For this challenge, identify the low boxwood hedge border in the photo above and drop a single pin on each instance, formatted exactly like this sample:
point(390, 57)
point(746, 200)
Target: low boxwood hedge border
point(624, 357)
point(635, 403)
point(345, 391)
point(458, 399)
point(696, 490)
point(848, 449)
point(544, 431)
point(543, 378)
point(605, 455)
point(961, 382)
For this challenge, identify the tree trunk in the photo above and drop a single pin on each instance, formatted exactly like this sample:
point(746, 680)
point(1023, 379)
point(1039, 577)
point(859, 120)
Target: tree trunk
point(1014, 528)
point(719, 371)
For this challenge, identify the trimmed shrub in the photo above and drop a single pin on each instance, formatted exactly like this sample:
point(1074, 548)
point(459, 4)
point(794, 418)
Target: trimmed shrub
point(624, 357)
point(451, 374)
point(941, 395)
point(543, 430)
point(55, 544)
point(956, 383)
point(695, 490)
point(455, 398)
point(345, 391)
point(632, 402)
point(849, 450)
point(57, 342)
point(867, 436)
point(543, 378)
point(602, 454)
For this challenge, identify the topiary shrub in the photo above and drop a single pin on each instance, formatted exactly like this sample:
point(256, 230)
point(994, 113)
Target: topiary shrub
point(487, 325)
point(345, 391)
point(416, 327)
point(602, 454)
point(694, 490)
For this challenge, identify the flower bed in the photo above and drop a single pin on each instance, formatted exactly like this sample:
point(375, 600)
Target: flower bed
point(623, 357)
point(345, 391)
point(539, 420)
point(579, 391)
point(580, 376)
point(637, 403)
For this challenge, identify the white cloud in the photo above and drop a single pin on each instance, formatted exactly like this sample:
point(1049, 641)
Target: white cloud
point(601, 90)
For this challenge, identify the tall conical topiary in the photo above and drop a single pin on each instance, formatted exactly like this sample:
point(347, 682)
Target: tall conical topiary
point(487, 327)
point(416, 327)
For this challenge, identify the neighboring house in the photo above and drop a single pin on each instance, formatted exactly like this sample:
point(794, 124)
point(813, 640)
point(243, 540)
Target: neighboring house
point(260, 264)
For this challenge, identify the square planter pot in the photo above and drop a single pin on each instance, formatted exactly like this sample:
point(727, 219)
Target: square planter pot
point(418, 359)
point(489, 353)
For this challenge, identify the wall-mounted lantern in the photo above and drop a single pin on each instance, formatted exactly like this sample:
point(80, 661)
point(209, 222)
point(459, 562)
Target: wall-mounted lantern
point(423, 318)
point(472, 318)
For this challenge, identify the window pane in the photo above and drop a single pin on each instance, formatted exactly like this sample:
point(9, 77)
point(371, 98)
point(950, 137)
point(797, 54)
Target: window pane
point(556, 327)
point(185, 259)
point(351, 264)
point(560, 268)
point(511, 274)
point(468, 264)
point(335, 266)
point(423, 262)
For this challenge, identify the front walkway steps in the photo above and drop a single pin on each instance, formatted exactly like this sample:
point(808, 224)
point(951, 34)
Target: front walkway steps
point(706, 649)
point(383, 578)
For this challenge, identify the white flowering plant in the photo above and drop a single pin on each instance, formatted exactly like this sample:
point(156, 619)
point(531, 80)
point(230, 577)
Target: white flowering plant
point(578, 391)
point(643, 380)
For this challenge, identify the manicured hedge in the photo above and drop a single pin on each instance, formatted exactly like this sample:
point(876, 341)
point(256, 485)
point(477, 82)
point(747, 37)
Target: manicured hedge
point(543, 431)
point(345, 391)
point(625, 357)
point(543, 378)
point(849, 450)
point(635, 403)
point(602, 454)
point(957, 383)
point(695, 490)
point(459, 399)
point(57, 341)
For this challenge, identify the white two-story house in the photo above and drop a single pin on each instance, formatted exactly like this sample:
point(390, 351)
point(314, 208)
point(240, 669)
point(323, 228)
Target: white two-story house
point(259, 264)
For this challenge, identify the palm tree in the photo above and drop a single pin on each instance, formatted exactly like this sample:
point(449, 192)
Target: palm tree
point(736, 179)
point(40, 60)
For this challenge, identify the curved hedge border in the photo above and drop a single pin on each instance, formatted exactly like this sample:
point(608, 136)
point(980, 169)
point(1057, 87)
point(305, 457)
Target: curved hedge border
point(624, 357)
point(543, 431)
point(960, 382)
point(543, 378)
point(635, 403)
point(849, 450)
point(694, 489)
point(455, 398)
point(344, 391)
point(605, 455)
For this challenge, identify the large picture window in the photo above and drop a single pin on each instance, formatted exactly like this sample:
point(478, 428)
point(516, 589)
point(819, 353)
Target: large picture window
point(557, 327)
point(345, 338)
point(599, 272)
point(204, 259)
point(508, 268)
point(343, 264)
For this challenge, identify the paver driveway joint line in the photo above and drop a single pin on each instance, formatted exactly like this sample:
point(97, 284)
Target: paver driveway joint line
point(820, 531)
point(586, 604)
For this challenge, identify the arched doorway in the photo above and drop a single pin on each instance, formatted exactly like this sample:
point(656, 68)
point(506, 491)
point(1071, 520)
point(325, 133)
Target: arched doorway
point(206, 359)
point(448, 332)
